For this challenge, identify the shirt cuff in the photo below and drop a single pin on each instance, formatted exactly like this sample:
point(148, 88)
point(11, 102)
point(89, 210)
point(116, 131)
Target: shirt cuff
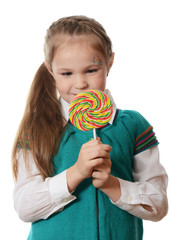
point(129, 195)
point(58, 190)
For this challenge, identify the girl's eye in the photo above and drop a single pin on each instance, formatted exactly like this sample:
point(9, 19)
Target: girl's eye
point(66, 73)
point(91, 70)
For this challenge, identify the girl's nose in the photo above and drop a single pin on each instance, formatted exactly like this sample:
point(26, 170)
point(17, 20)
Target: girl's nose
point(80, 82)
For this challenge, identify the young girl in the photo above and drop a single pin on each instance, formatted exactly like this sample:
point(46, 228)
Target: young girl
point(67, 185)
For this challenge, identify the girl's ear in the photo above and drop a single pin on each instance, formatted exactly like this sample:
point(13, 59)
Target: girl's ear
point(48, 67)
point(111, 61)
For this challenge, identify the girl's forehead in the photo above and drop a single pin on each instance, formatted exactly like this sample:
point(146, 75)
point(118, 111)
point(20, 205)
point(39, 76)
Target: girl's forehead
point(79, 41)
point(77, 51)
point(83, 46)
point(76, 45)
point(77, 54)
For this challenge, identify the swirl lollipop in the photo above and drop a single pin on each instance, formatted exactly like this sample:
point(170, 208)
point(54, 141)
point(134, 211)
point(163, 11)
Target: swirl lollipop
point(90, 110)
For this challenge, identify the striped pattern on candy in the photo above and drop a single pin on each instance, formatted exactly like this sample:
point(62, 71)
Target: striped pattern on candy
point(90, 109)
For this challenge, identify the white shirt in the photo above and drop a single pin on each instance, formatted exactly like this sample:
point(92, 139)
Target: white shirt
point(35, 198)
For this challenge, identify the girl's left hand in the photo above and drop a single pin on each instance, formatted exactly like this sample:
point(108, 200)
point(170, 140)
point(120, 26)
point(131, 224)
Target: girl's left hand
point(101, 174)
point(106, 182)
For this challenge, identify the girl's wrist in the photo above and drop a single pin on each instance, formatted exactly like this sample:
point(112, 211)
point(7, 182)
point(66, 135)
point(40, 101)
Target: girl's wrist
point(112, 188)
point(74, 178)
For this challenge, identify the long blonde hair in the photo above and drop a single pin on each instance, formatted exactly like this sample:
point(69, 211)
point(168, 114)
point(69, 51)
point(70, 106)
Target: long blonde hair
point(42, 124)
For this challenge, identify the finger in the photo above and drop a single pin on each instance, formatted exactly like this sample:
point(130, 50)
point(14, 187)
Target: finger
point(106, 147)
point(95, 174)
point(96, 162)
point(98, 153)
point(103, 167)
point(92, 142)
point(100, 175)
point(97, 142)
point(98, 148)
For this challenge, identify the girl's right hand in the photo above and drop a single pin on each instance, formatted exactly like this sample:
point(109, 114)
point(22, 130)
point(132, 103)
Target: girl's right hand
point(92, 154)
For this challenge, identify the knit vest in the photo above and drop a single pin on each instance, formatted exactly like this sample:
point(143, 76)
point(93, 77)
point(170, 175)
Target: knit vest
point(92, 216)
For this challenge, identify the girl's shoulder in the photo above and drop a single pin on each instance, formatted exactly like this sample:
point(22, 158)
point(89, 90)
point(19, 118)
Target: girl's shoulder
point(132, 118)
point(138, 127)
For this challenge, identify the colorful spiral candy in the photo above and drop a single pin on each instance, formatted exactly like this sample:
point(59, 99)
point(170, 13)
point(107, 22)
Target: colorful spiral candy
point(90, 109)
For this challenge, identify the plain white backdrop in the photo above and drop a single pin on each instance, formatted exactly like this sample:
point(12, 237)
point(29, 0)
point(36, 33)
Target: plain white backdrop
point(140, 78)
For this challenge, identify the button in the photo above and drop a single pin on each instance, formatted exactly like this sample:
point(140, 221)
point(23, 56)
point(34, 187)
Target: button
point(129, 198)
point(70, 198)
point(65, 200)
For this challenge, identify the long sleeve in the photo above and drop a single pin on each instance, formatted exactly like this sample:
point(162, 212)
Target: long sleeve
point(35, 198)
point(149, 187)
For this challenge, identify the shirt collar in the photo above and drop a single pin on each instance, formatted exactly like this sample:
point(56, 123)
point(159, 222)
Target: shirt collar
point(65, 107)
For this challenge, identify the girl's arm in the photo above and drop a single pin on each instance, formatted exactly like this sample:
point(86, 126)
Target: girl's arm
point(35, 198)
point(146, 197)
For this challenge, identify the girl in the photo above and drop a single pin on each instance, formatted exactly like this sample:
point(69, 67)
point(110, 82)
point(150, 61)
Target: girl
point(71, 187)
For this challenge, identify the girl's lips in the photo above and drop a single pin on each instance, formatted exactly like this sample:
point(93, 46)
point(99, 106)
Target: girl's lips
point(74, 94)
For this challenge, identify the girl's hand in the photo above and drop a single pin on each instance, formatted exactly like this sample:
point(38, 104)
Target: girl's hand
point(101, 174)
point(92, 155)
point(106, 182)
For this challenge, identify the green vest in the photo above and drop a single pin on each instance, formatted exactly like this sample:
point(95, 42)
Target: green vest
point(92, 216)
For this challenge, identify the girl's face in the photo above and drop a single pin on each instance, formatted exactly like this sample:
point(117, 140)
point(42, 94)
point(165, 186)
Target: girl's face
point(77, 67)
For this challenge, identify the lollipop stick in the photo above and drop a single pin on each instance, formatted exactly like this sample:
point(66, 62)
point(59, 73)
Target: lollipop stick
point(94, 133)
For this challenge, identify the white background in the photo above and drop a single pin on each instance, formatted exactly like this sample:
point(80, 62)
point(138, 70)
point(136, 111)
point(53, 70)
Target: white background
point(139, 79)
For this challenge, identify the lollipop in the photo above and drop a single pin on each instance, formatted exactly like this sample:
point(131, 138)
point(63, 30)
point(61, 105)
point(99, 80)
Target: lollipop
point(90, 110)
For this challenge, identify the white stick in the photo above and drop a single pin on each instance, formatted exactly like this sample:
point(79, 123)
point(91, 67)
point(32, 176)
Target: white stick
point(94, 133)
